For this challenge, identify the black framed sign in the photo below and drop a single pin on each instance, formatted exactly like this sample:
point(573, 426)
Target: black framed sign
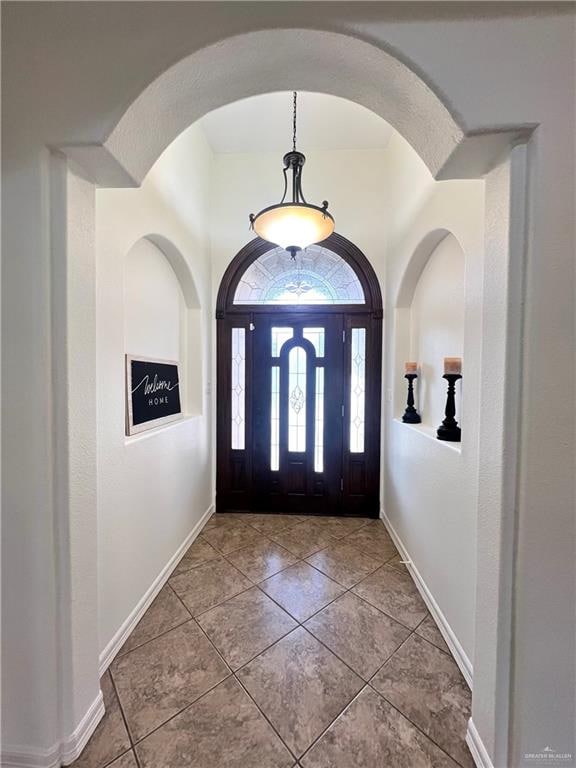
point(152, 393)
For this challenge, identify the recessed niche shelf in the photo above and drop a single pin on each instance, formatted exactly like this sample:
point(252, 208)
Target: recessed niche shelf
point(430, 433)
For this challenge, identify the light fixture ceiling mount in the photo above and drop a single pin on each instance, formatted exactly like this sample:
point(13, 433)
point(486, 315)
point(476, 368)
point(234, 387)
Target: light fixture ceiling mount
point(297, 224)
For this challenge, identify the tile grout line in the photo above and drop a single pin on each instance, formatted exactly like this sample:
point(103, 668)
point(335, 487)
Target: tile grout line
point(125, 721)
point(247, 692)
point(418, 728)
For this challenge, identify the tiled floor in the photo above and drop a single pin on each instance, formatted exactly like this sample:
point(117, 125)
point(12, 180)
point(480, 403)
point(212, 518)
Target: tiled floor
point(284, 641)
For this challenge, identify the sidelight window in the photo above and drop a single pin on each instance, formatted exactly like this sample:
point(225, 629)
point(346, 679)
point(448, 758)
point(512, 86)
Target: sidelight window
point(319, 422)
point(357, 390)
point(275, 420)
point(238, 388)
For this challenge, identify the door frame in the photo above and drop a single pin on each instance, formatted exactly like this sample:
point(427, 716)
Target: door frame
point(234, 468)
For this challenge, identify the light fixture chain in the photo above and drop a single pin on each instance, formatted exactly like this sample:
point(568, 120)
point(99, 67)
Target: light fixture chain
point(294, 125)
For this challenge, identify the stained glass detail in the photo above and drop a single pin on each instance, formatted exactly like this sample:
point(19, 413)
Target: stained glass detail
point(238, 388)
point(316, 337)
point(275, 420)
point(279, 337)
point(357, 390)
point(318, 276)
point(319, 422)
point(297, 400)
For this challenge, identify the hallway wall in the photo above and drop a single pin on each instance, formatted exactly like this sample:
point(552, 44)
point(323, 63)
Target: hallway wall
point(154, 487)
point(431, 487)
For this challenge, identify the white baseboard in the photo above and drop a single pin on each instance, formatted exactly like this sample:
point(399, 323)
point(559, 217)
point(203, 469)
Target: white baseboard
point(452, 641)
point(74, 744)
point(27, 757)
point(62, 754)
point(477, 748)
point(110, 651)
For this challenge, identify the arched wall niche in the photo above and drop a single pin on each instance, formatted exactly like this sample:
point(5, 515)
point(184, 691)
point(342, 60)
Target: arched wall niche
point(271, 60)
point(430, 311)
point(153, 326)
point(416, 264)
point(180, 266)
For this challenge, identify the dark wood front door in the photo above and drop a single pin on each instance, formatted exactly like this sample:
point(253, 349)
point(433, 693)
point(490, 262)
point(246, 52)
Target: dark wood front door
point(298, 416)
point(298, 399)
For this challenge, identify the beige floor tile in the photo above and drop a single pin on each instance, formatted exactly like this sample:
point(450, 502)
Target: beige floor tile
point(430, 632)
point(427, 687)
point(374, 540)
point(304, 539)
point(245, 625)
point(359, 634)
point(269, 524)
point(226, 539)
point(340, 526)
point(158, 679)
point(209, 584)
point(343, 563)
point(372, 734)
point(166, 612)
point(395, 594)
point(301, 590)
point(300, 686)
point(222, 730)
point(199, 552)
point(110, 738)
point(229, 520)
point(262, 559)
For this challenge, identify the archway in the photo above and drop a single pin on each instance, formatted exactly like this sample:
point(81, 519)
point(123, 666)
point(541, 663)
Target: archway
point(201, 82)
point(299, 371)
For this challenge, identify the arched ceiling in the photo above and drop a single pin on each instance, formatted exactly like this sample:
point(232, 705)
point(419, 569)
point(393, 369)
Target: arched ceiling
point(264, 124)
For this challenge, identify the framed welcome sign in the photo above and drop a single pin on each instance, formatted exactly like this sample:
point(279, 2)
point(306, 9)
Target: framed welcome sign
point(152, 393)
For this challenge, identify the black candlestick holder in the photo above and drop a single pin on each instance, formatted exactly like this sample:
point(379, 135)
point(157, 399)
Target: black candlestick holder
point(449, 429)
point(411, 415)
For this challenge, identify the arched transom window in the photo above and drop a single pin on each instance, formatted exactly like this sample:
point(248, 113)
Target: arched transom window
point(317, 276)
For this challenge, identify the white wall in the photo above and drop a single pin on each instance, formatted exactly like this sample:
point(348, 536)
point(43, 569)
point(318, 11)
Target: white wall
point(431, 487)
point(437, 328)
point(152, 487)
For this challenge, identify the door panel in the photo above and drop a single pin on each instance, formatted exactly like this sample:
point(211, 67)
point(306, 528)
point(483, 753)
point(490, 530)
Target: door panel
point(297, 426)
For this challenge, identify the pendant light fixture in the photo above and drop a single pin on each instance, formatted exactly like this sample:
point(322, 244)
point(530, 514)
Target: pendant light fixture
point(297, 224)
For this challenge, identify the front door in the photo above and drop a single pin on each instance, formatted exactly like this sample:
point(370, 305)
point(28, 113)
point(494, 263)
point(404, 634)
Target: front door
point(298, 411)
point(299, 352)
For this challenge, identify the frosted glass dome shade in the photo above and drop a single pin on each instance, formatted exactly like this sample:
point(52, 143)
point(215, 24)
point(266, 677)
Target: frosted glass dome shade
point(293, 225)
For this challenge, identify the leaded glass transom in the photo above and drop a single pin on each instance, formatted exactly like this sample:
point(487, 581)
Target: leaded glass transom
point(318, 276)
